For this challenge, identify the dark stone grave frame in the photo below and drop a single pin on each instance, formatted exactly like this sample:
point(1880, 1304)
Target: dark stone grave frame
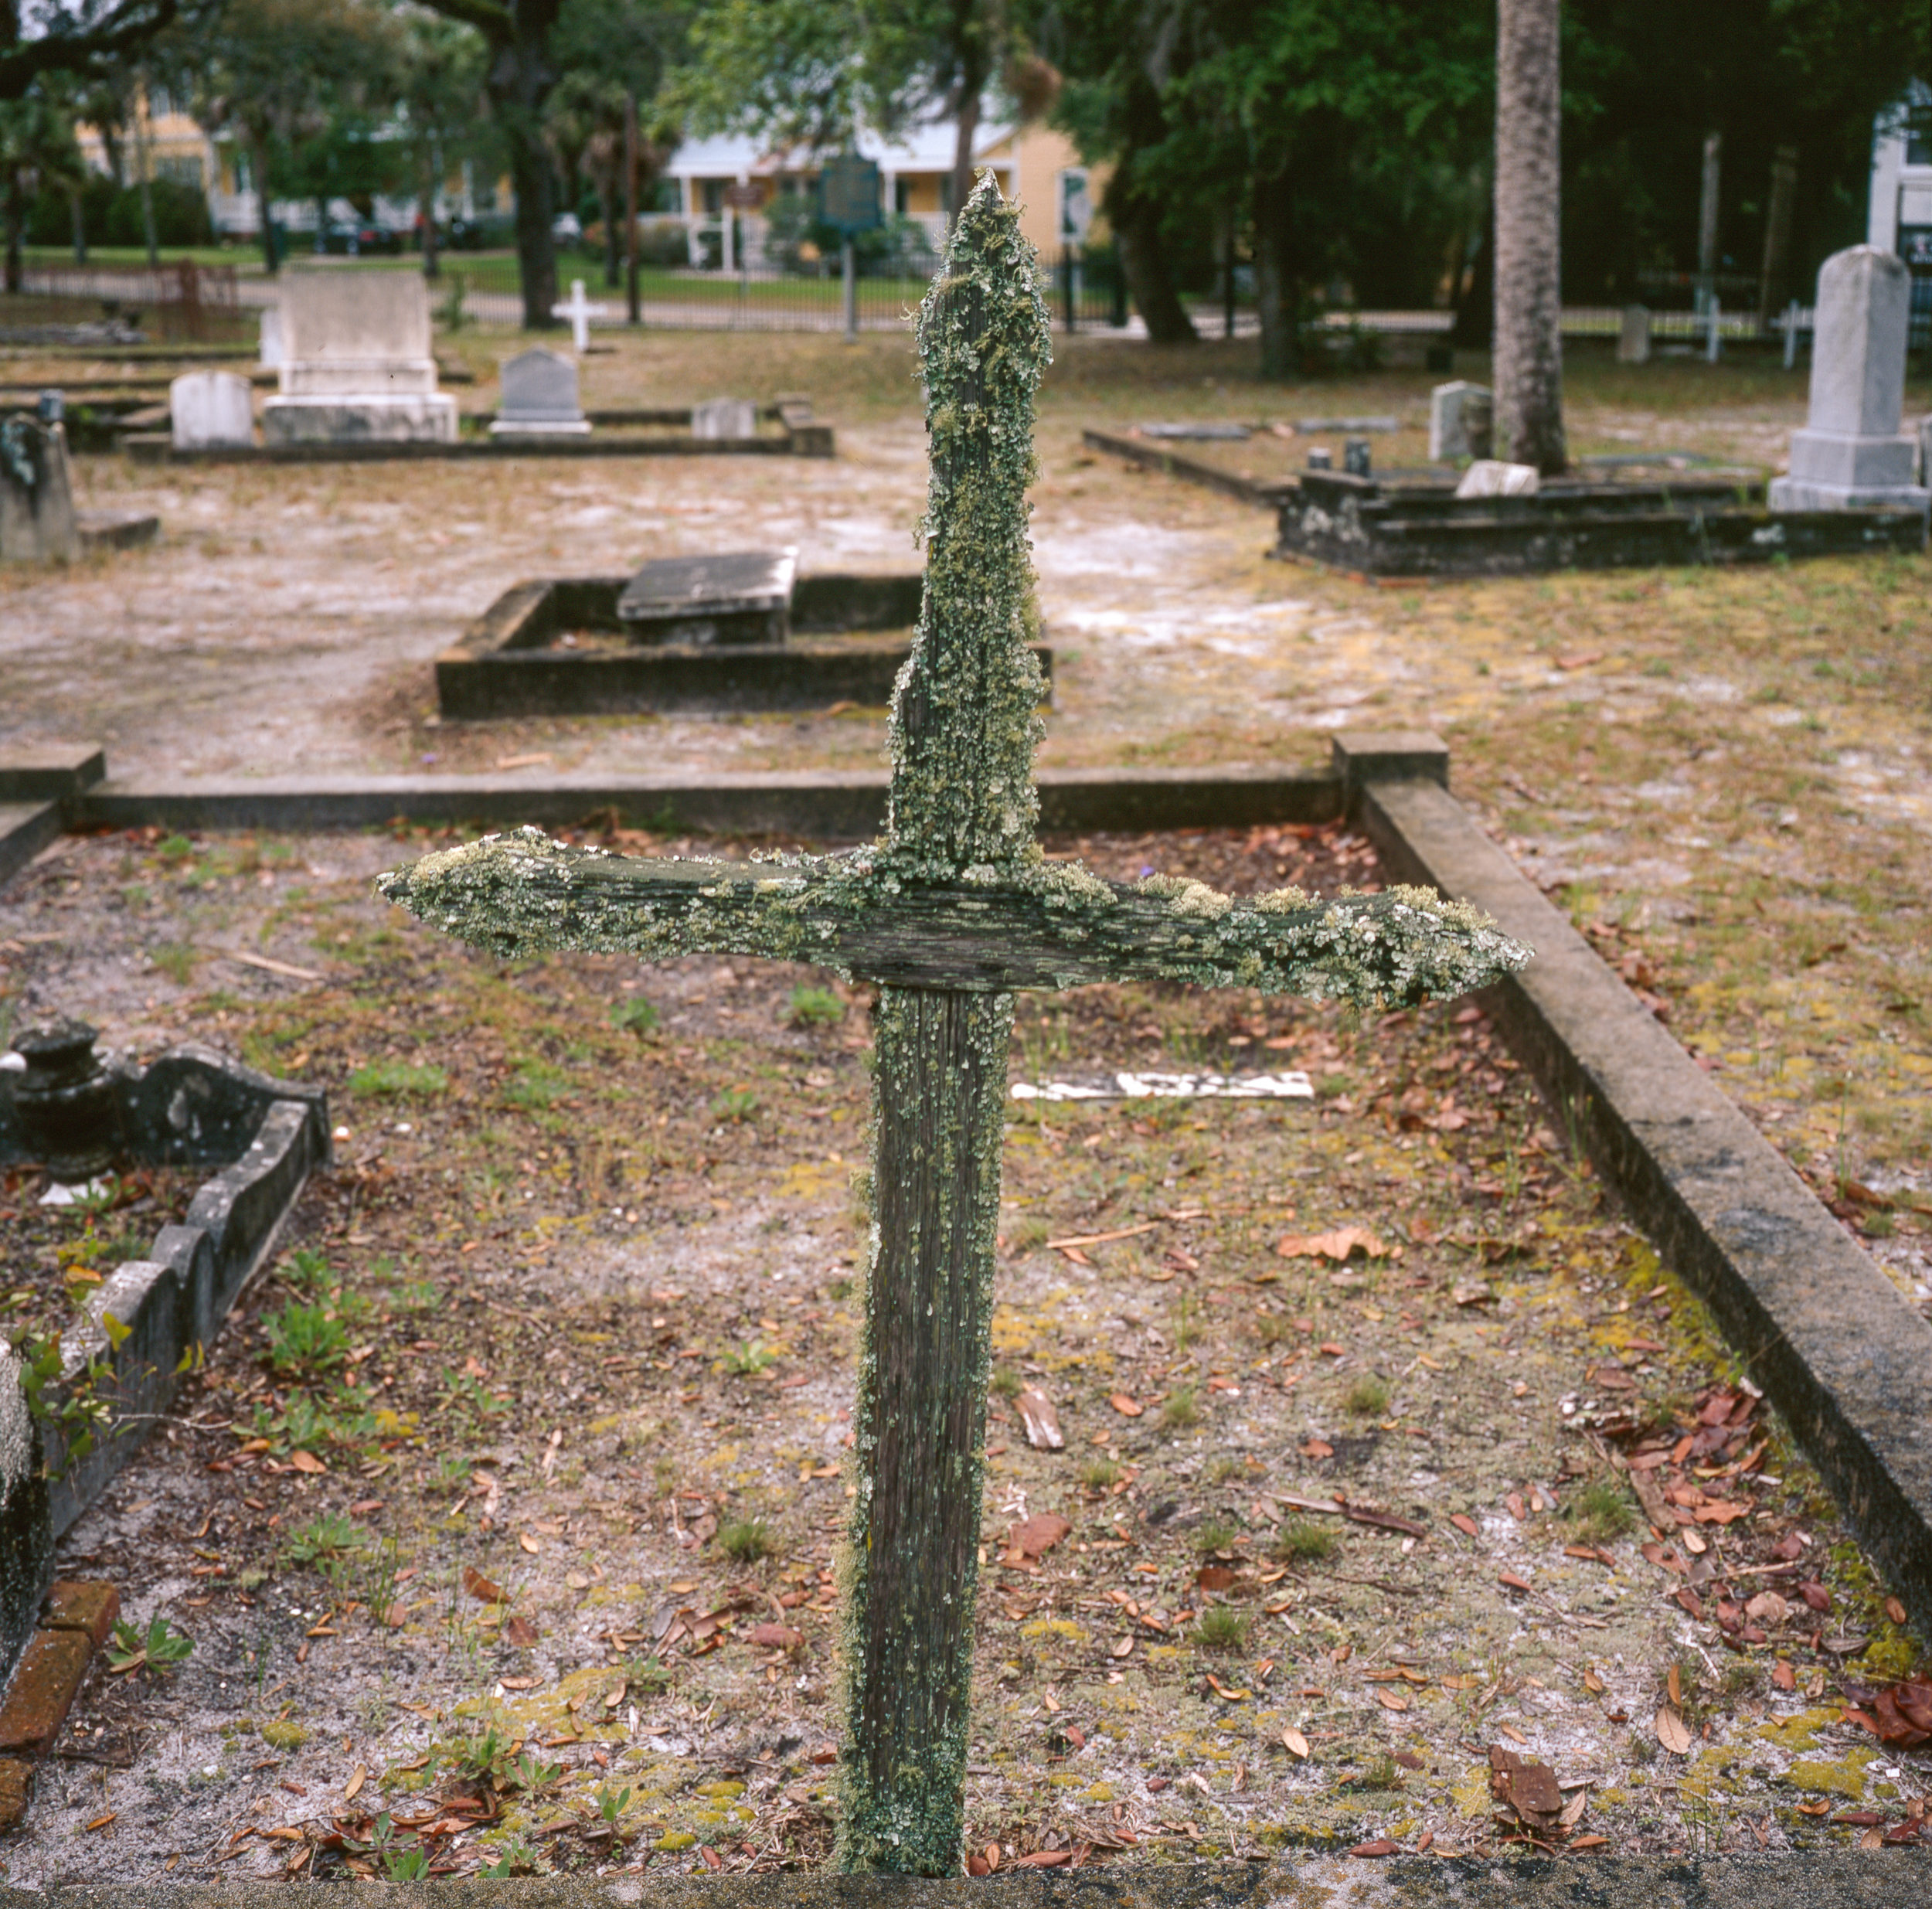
point(851, 633)
point(192, 1107)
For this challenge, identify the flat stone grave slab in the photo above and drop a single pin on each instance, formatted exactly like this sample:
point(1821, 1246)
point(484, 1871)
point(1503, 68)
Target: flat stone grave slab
point(561, 646)
point(741, 597)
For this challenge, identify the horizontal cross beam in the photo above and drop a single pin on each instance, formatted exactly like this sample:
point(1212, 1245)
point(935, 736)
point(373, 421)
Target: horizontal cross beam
point(1048, 925)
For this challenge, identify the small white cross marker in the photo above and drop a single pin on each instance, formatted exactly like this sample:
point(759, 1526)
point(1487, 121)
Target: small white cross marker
point(579, 311)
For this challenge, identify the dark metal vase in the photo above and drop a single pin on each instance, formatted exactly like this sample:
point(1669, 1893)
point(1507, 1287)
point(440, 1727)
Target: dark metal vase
point(69, 1114)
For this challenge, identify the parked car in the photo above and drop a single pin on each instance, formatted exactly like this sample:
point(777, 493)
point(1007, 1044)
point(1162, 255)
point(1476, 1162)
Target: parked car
point(352, 238)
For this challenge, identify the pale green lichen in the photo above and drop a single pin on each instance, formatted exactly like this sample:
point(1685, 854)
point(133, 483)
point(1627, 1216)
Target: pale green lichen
point(964, 719)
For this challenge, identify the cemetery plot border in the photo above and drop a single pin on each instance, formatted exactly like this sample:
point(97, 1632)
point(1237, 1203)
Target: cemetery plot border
point(1720, 1203)
point(1372, 530)
point(507, 663)
point(119, 1369)
point(797, 441)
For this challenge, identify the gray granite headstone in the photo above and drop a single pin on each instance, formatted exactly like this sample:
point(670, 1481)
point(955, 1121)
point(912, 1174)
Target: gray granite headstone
point(742, 598)
point(37, 521)
point(1632, 336)
point(1459, 422)
point(211, 409)
point(539, 397)
point(725, 417)
point(1853, 452)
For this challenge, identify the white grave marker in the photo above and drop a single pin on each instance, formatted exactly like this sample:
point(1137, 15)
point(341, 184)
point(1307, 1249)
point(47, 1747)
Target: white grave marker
point(579, 311)
point(211, 411)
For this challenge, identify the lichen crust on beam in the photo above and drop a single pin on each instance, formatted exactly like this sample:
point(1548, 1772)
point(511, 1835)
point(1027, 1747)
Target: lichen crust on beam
point(1044, 925)
point(965, 716)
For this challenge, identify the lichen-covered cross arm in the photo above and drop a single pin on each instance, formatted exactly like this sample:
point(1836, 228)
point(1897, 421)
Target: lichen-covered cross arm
point(1048, 925)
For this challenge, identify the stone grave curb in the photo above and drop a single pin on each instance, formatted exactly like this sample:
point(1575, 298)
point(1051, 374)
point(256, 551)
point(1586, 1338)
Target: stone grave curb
point(1851, 1879)
point(164, 1309)
point(40, 792)
point(1818, 1324)
point(819, 804)
point(76, 1621)
point(1155, 457)
point(803, 441)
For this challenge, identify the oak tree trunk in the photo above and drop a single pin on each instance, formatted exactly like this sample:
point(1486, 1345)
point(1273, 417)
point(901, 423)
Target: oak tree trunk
point(519, 79)
point(1277, 279)
point(1529, 370)
point(939, 1110)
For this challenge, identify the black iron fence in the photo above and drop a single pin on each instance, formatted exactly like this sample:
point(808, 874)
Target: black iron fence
point(180, 302)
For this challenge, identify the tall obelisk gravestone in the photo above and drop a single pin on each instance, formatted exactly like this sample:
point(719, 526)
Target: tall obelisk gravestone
point(952, 913)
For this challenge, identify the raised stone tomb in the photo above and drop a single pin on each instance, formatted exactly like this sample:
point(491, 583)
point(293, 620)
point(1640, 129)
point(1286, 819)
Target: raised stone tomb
point(722, 634)
point(356, 363)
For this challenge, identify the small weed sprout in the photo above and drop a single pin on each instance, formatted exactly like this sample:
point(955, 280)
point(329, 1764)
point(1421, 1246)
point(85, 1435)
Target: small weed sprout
point(735, 1104)
point(814, 1007)
point(1181, 1408)
point(1226, 1465)
point(1221, 1628)
point(636, 1015)
point(159, 1647)
point(1100, 1474)
point(1368, 1397)
point(1600, 1511)
point(747, 1540)
point(1301, 1541)
point(325, 1540)
point(647, 1676)
point(751, 1357)
point(515, 1858)
point(610, 1803)
point(305, 1340)
point(1006, 1383)
point(1381, 1775)
point(1216, 1537)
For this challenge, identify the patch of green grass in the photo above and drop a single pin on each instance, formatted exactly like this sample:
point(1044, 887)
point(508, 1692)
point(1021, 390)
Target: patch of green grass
point(814, 1007)
point(751, 1358)
point(1216, 1537)
point(398, 1080)
point(536, 1087)
point(305, 1340)
point(747, 1540)
point(1600, 1511)
point(174, 849)
point(176, 960)
point(1381, 1775)
point(636, 1015)
point(1301, 1541)
point(735, 1104)
point(1368, 1397)
point(1221, 1628)
point(1100, 1474)
point(1006, 1383)
point(1225, 1466)
point(1181, 1408)
point(323, 1540)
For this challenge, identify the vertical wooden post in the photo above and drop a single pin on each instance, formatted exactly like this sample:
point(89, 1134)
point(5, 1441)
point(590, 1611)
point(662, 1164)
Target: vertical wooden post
point(939, 1107)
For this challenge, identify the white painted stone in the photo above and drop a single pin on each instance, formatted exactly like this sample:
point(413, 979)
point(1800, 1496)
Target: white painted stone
point(1488, 478)
point(210, 409)
point(1853, 452)
point(1632, 336)
point(725, 417)
point(357, 364)
point(539, 397)
point(1460, 425)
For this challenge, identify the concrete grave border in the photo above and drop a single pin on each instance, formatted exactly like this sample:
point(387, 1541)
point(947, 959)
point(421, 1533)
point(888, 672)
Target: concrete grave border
point(1836, 1347)
point(798, 441)
point(189, 1107)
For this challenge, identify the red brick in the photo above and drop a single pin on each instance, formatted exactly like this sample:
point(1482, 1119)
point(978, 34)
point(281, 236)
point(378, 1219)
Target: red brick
point(51, 1668)
point(79, 1603)
point(16, 1791)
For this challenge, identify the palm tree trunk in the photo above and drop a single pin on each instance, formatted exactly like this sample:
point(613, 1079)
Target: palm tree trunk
point(77, 206)
point(432, 263)
point(1529, 365)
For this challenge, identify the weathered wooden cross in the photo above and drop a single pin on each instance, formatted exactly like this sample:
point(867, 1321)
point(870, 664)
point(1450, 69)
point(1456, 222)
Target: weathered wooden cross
point(954, 910)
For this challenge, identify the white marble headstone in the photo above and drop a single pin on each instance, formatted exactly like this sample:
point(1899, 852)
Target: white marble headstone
point(271, 357)
point(1460, 424)
point(725, 417)
point(1852, 451)
point(211, 409)
point(1488, 477)
point(539, 397)
point(1632, 336)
